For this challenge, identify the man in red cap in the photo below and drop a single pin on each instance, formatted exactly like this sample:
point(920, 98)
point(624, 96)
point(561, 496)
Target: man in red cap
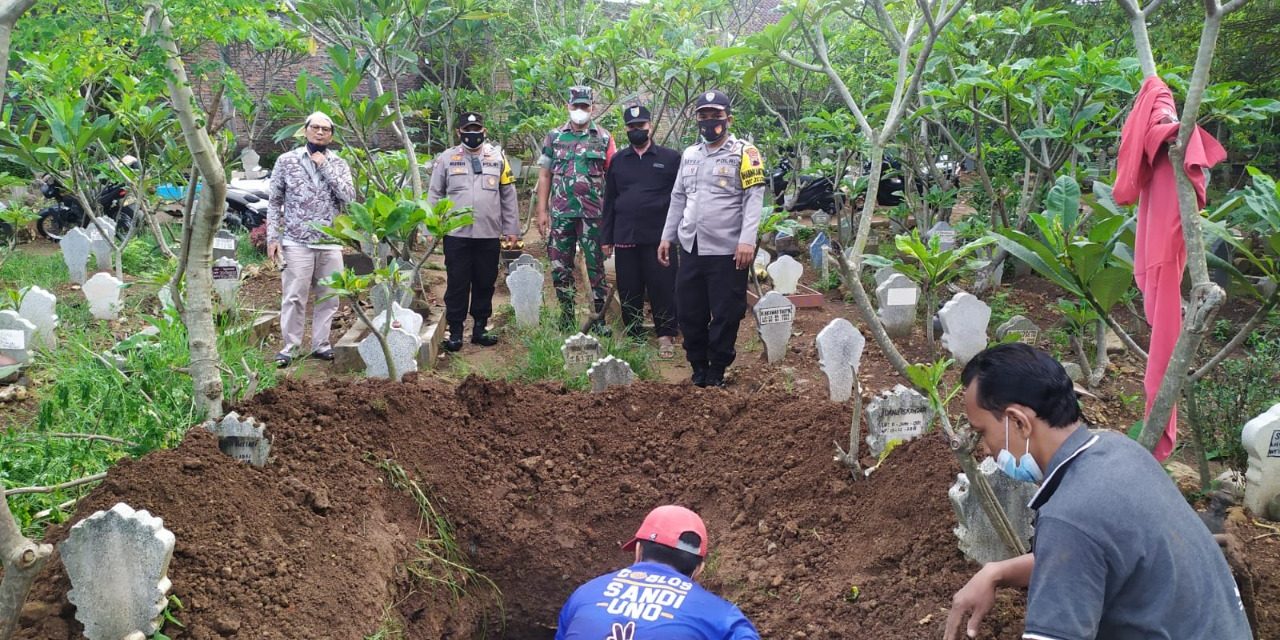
point(656, 598)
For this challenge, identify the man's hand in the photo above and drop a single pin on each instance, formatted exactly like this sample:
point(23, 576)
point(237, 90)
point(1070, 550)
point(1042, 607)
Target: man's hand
point(975, 601)
point(664, 253)
point(607, 249)
point(744, 256)
point(513, 239)
point(318, 157)
point(273, 253)
point(544, 222)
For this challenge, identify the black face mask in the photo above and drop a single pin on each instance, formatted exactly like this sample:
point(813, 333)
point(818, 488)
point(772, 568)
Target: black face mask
point(472, 139)
point(638, 137)
point(313, 147)
point(712, 130)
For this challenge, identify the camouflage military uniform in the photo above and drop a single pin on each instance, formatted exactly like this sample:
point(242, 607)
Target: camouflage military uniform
point(577, 161)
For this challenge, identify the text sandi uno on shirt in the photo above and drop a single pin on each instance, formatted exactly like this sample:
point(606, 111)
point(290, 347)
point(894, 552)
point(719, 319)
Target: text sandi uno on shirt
point(650, 601)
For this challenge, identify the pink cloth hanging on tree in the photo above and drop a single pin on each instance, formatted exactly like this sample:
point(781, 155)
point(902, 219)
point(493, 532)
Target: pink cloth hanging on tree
point(1144, 174)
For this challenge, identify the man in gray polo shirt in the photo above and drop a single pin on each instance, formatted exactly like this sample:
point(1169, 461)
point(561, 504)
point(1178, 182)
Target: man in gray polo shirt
point(1118, 553)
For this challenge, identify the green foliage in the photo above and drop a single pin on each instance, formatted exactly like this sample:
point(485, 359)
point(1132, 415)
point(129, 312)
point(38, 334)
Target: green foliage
point(931, 378)
point(1003, 307)
point(928, 263)
point(1088, 256)
point(1249, 221)
point(1232, 394)
point(542, 359)
point(143, 403)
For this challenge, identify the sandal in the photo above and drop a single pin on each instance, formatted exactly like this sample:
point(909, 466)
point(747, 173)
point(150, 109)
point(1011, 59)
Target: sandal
point(666, 348)
point(283, 360)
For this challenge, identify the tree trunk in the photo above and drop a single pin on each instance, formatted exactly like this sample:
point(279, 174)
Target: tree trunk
point(10, 11)
point(202, 338)
point(22, 560)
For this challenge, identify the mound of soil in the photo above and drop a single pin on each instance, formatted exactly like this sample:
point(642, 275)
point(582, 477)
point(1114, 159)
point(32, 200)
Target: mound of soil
point(541, 487)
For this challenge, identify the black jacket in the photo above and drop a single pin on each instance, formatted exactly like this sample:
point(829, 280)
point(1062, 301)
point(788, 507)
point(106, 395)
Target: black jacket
point(637, 193)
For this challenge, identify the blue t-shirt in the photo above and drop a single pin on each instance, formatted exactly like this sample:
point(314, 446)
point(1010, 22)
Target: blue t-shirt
point(650, 601)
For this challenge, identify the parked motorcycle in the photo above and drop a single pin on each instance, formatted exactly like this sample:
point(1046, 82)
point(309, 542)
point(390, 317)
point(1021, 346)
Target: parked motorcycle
point(114, 200)
point(814, 193)
point(246, 204)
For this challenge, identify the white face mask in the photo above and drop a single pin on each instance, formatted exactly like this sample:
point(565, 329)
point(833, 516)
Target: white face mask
point(579, 116)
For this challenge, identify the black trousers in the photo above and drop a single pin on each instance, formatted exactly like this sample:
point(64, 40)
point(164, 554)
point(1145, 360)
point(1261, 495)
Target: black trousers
point(471, 267)
point(711, 298)
point(639, 273)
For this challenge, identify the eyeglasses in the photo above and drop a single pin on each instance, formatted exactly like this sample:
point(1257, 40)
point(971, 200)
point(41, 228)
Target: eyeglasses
point(320, 129)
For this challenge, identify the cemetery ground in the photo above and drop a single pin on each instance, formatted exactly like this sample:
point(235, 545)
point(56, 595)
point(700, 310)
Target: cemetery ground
point(469, 500)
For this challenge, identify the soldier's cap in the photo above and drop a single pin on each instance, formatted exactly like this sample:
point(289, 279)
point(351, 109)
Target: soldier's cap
point(713, 99)
point(635, 113)
point(468, 118)
point(580, 95)
point(666, 524)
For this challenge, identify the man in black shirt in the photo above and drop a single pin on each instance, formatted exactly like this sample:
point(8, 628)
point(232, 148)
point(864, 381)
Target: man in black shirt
point(637, 194)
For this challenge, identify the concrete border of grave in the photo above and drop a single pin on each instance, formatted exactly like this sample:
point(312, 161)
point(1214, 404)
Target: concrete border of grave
point(346, 352)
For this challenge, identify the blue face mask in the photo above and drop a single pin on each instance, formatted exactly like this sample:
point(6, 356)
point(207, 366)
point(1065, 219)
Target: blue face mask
point(1024, 469)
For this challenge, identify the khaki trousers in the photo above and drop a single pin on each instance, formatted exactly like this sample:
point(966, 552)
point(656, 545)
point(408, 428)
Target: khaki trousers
point(304, 268)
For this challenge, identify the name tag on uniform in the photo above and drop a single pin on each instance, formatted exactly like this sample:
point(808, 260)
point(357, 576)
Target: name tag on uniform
point(457, 171)
point(659, 165)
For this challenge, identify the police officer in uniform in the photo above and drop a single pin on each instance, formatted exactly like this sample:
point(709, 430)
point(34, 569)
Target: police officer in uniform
point(474, 174)
point(715, 211)
point(569, 199)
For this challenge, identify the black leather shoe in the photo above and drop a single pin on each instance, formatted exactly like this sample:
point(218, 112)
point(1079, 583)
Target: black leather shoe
point(484, 339)
point(715, 377)
point(453, 342)
point(699, 376)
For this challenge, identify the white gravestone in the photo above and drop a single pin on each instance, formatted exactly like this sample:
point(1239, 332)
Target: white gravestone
point(249, 162)
point(242, 439)
point(226, 280)
point(224, 245)
point(404, 351)
point(610, 372)
point(524, 259)
point(964, 326)
point(762, 259)
point(580, 351)
point(76, 246)
point(39, 307)
point(1028, 331)
point(945, 234)
point(16, 336)
point(898, 297)
point(884, 273)
point(979, 540)
point(118, 565)
point(401, 317)
point(1261, 437)
point(98, 243)
point(774, 315)
point(380, 295)
point(103, 293)
point(785, 273)
point(898, 414)
point(840, 346)
point(525, 284)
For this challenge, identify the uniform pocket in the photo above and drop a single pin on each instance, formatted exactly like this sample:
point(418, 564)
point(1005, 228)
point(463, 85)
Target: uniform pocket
point(724, 179)
point(489, 181)
point(595, 163)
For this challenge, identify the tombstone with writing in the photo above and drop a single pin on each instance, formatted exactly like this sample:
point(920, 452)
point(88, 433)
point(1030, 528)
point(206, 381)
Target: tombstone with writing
point(525, 284)
point(818, 251)
point(883, 273)
point(402, 318)
point(1261, 437)
point(1028, 331)
point(224, 245)
point(897, 414)
point(16, 336)
point(898, 297)
point(39, 307)
point(76, 246)
point(945, 234)
point(820, 218)
point(979, 540)
point(404, 354)
point(774, 315)
point(785, 273)
point(964, 326)
point(610, 372)
point(226, 280)
point(244, 439)
point(580, 351)
point(118, 565)
point(524, 259)
point(103, 293)
point(98, 242)
point(785, 243)
point(840, 346)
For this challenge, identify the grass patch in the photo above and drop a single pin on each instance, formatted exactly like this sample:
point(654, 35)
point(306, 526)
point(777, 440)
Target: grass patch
point(543, 361)
point(24, 269)
point(134, 395)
